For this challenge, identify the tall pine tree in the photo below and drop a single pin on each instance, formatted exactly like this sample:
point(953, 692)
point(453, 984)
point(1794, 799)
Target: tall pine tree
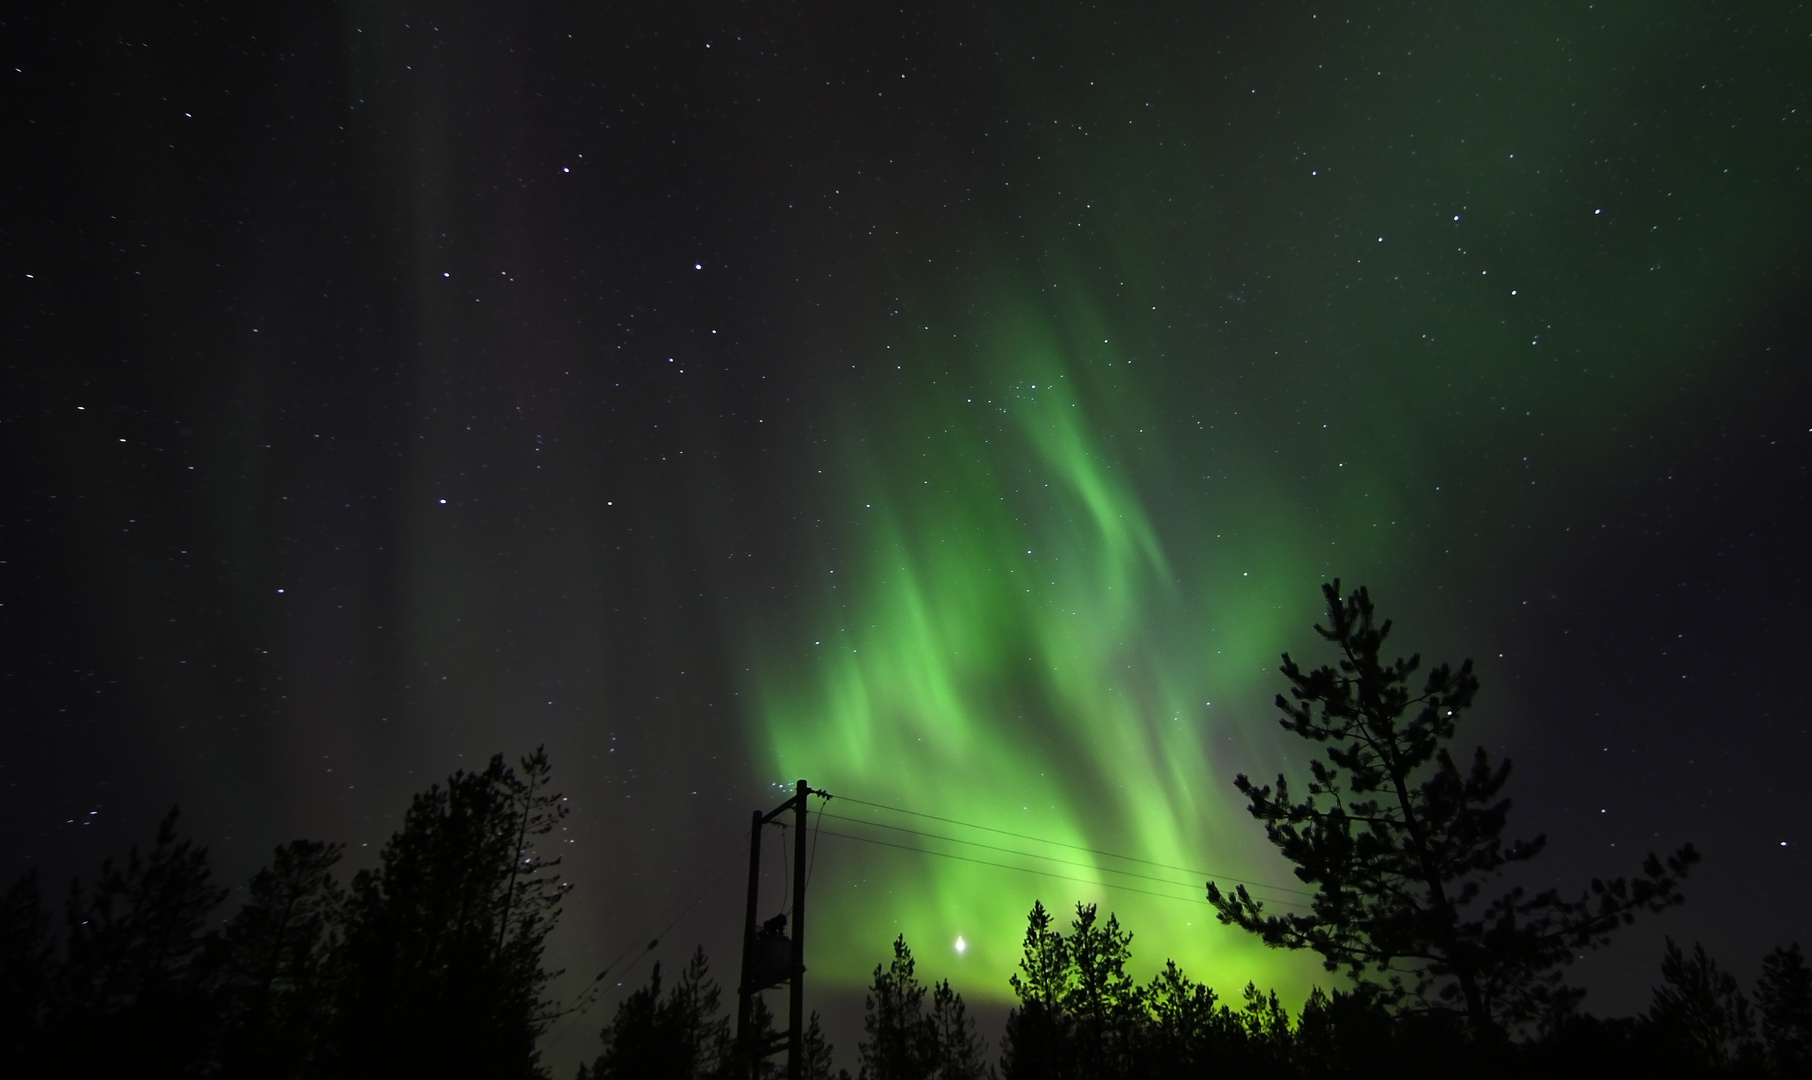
point(278, 966)
point(137, 988)
point(679, 1035)
point(28, 972)
point(903, 1040)
point(443, 971)
point(1402, 844)
point(1079, 1013)
point(1783, 996)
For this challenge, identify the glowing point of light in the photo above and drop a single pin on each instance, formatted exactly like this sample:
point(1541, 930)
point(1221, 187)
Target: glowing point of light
point(443, 502)
point(963, 946)
point(698, 266)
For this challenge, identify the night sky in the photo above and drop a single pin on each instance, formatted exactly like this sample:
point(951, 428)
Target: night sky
point(957, 406)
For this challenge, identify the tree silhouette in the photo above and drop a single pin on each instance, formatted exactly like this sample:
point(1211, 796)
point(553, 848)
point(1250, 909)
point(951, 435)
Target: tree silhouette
point(1079, 1012)
point(897, 1039)
point(1400, 843)
point(136, 996)
point(1700, 1011)
point(904, 1041)
point(28, 972)
point(1187, 1031)
point(1036, 1043)
point(1783, 995)
point(1349, 1033)
point(278, 966)
point(679, 1036)
point(957, 1051)
point(819, 1053)
point(1103, 1000)
point(443, 955)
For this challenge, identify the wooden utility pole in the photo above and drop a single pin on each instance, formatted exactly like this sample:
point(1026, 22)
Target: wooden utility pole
point(763, 963)
point(745, 995)
point(795, 1036)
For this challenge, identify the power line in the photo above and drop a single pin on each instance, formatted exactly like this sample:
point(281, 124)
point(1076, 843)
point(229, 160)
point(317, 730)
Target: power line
point(812, 863)
point(700, 886)
point(1073, 847)
point(1028, 870)
point(721, 866)
point(1013, 851)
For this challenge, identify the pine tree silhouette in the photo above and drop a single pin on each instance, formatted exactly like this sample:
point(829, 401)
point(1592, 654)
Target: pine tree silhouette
point(1401, 843)
point(136, 996)
point(28, 972)
point(1079, 1014)
point(902, 1040)
point(443, 971)
point(1699, 1009)
point(677, 1036)
point(278, 965)
point(1783, 996)
point(898, 1040)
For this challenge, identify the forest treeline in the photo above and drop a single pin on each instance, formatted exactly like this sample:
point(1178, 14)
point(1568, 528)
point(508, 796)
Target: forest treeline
point(429, 964)
point(432, 963)
point(1080, 1015)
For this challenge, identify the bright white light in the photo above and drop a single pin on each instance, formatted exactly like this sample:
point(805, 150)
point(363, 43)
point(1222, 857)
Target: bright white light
point(962, 946)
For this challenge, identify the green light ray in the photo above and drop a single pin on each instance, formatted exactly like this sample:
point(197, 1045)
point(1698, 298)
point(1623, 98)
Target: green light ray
point(1219, 345)
point(1008, 645)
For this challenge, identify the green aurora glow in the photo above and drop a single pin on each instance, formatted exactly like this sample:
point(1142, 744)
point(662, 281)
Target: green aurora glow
point(1336, 306)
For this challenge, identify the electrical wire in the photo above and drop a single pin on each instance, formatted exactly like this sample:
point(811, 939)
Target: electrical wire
point(817, 827)
point(1029, 870)
point(1047, 858)
point(721, 866)
point(715, 871)
point(1073, 847)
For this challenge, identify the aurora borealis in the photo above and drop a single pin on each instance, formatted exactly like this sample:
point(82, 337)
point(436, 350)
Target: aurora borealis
point(957, 407)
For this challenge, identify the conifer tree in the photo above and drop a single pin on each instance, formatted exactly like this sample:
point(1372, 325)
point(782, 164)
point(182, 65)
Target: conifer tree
point(1080, 1013)
point(278, 964)
point(679, 1036)
point(1103, 1000)
point(903, 1040)
point(1401, 843)
point(957, 1051)
point(136, 994)
point(897, 1040)
point(28, 972)
point(1186, 1027)
point(1783, 996)
point(443, 967)
point(820, 1055)
point(1699, 1009)
point(1036, 1043)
